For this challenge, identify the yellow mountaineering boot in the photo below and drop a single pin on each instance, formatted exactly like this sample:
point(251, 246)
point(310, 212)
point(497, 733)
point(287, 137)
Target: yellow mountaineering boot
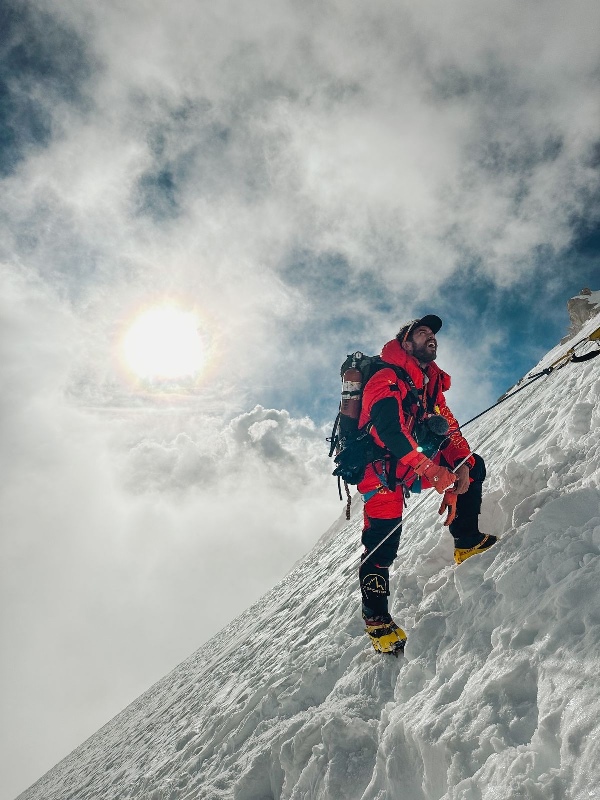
point(385, 635)
point(462, 553)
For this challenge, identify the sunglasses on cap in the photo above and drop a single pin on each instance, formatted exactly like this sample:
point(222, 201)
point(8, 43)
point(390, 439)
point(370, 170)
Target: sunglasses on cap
point(409, 326)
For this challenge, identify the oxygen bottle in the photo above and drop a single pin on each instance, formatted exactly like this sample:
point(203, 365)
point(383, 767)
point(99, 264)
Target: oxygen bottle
point(351, 392)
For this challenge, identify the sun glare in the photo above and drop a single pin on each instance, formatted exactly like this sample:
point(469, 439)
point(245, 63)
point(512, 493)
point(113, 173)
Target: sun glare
point(164, 344)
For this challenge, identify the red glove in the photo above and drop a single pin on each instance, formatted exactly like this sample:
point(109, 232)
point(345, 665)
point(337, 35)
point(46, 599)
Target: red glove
point(439, 477)
point(448, 502)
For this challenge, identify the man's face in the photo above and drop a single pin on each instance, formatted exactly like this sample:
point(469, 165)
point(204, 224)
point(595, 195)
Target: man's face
point(422, 344)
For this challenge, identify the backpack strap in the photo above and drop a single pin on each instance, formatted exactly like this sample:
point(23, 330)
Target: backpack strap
point(413, 396)
point(431, 398)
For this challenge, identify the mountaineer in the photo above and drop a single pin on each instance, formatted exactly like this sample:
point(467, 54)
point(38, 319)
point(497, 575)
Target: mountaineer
point(397, 402)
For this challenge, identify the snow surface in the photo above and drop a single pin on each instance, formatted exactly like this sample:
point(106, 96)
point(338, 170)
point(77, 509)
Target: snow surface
point(498, 696)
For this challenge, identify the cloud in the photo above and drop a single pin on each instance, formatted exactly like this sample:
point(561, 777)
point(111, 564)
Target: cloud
point(128, 537)
point(456, 147)
point(291, 175)
point(43, 65)
point(265, 446)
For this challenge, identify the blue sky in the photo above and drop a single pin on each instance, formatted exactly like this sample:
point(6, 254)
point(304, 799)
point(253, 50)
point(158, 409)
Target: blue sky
point(303, 178)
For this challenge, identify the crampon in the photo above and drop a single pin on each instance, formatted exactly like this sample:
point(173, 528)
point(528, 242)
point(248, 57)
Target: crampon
point(385, 635)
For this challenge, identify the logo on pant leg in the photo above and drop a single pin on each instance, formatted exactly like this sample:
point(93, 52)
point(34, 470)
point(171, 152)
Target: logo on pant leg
point(375, 584)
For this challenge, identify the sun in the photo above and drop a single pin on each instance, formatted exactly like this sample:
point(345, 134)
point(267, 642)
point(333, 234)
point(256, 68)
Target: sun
point(164, 344)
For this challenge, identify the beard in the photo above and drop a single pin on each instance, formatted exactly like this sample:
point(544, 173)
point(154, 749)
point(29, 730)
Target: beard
point(424, 354)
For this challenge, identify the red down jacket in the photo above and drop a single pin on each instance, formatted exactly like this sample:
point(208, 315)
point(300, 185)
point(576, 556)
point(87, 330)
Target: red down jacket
point(392, 427)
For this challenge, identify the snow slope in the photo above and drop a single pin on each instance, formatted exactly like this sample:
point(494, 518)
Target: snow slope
point(498, 696)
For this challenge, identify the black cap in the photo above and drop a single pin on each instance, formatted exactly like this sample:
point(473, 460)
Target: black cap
point(430, 320)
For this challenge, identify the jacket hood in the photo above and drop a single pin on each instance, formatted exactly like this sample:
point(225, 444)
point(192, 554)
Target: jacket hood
point(393, 353)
